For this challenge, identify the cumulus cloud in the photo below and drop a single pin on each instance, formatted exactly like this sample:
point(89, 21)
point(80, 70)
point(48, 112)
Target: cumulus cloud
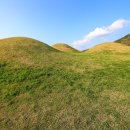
point(101, 31)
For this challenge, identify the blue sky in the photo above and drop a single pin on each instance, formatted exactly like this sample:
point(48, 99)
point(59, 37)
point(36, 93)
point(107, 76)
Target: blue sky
point(68, 21)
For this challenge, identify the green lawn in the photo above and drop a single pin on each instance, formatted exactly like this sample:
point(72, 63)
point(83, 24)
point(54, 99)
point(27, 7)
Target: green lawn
point(52, 90)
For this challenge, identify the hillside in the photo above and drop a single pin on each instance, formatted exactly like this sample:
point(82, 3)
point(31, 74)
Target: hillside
point(23, 50)
point(110, 47)
point(24, 42)
point(64, 47)
point(44, 89)
point(124, 40)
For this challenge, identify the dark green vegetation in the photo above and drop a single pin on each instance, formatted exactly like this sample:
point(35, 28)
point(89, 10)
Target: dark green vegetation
point(64, 47)
point(125, 40)
point(45, 89)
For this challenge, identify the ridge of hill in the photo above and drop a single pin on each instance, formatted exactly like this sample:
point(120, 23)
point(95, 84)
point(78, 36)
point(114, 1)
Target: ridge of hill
point(124, 40)
point(109, 47)
point(25, 41)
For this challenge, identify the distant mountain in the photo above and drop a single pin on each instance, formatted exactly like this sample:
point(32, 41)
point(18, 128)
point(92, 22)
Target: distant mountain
point(124, 40)
point(64, 47)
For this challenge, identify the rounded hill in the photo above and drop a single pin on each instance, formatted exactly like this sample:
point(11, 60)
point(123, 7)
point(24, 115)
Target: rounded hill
point(64, 47)
point(124, 40)
point(23, 50)
point(24, 43)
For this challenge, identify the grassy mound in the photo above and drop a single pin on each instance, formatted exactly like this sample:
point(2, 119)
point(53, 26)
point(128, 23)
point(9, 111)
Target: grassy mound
point(23, 50)
point(64, 47)
point(125, 40)
point(109, 47)
point(25, 43)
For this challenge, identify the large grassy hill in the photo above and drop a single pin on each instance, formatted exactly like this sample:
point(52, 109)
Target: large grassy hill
point(45, 89)
point(23, 50)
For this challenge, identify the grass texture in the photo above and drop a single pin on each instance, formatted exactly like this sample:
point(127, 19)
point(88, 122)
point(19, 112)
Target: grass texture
point(45, 89)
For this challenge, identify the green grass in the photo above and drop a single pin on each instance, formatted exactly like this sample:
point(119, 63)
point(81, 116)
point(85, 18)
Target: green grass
point(52, 90)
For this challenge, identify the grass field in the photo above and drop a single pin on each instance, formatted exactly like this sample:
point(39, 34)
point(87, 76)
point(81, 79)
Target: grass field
point(45, 89)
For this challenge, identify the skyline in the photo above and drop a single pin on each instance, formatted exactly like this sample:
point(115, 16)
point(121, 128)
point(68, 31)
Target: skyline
point(100, 32)
point(54, 21)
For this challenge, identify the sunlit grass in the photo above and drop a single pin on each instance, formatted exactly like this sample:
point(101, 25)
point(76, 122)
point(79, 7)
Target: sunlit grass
point(52, 90)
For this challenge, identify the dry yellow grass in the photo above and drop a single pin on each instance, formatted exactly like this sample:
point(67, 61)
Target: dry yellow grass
point(110, 46)
point(23, 50)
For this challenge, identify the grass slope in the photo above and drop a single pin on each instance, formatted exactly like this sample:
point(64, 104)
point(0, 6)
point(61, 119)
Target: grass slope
point(125, 40)
point(64, 47)
point(57, 91)
point(109, 47)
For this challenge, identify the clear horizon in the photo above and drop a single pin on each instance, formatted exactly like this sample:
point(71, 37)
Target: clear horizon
point(81, 24)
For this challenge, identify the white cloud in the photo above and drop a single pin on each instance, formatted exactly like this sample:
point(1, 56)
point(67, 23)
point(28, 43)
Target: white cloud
point(101, 31)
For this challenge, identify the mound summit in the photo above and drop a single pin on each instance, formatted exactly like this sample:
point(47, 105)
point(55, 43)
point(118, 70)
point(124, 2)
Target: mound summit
point(23, 50)
point(24, 42)
point(64, 47)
